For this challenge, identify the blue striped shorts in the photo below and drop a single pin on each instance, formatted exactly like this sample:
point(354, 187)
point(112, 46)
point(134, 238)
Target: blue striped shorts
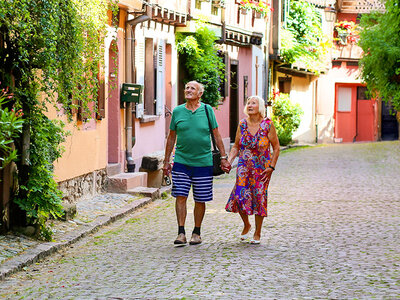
point(183, 177)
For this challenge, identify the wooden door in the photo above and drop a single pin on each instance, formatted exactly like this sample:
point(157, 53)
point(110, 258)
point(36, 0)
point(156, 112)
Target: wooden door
point(354, 114)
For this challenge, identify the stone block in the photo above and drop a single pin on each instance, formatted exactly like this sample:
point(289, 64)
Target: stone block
point(69, 211)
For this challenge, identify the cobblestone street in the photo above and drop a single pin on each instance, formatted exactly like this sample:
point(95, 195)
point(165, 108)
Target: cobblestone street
point(332, 233)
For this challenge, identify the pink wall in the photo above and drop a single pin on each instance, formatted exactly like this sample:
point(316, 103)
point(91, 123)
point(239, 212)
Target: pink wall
point(245, 67)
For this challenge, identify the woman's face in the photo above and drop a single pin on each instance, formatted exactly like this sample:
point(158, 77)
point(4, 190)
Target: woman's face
point(252, 106)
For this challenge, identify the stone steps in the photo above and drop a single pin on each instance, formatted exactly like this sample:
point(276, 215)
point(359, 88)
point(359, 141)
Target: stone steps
point(151, 192)
point(123, 182)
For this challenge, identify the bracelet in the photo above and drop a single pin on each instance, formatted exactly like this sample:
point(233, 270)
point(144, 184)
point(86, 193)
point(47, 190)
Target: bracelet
point(273, 168)
point(224, 157)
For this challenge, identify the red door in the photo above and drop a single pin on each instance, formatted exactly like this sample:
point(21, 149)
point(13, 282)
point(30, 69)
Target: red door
point(365, 116)
point(354, 114)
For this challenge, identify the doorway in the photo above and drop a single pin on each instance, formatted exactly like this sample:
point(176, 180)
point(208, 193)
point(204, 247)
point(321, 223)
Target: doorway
point(233, 100)
point(389, 126)
point(354, 114)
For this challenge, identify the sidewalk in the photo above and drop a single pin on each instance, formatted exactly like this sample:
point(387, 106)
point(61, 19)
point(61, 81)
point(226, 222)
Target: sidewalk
point(19, 251)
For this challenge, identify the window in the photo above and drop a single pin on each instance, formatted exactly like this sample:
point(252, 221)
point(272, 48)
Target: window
point(344, 99)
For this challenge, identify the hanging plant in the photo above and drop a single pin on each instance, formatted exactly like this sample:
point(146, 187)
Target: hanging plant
point(346, 31)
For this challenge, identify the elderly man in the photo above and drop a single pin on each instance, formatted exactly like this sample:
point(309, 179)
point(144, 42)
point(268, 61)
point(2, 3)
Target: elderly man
point(193, 158)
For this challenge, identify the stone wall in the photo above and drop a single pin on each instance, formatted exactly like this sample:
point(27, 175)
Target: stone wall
point(83, 186)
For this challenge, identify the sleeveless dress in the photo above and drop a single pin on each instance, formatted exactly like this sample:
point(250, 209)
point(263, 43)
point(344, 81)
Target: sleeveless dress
point(249, 195)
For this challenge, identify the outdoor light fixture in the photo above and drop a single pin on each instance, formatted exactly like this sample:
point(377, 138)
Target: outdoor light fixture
point(330, 13)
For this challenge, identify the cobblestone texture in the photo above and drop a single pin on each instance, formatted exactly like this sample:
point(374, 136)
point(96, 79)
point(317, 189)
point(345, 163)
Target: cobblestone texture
point(87, 211)
point(332, 233)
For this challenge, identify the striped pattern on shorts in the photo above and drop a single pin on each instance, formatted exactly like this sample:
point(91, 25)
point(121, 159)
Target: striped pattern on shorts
point(183, 177)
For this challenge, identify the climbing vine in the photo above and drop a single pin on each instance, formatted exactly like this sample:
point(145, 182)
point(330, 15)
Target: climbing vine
point(303, 40)
point(200, 57)
point(50, 51)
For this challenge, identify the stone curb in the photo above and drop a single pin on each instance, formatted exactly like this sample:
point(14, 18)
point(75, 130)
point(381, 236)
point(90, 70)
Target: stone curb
point(41, 251)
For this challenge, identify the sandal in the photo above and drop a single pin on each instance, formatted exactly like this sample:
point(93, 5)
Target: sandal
point(255, 242)
point(244, 237)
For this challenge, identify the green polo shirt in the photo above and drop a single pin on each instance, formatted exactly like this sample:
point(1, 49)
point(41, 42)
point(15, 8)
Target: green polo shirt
point(193, 142)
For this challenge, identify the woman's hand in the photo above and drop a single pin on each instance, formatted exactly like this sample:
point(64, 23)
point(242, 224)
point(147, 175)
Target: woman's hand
point(266, 175)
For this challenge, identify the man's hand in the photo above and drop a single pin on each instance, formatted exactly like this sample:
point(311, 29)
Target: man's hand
point(167, 169)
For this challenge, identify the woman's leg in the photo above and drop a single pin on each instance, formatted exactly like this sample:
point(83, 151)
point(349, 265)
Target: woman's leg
point(259, 221)
point(246, 223)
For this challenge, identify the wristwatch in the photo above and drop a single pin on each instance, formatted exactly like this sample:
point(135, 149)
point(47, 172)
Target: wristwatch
point(273, 168)
point(224, 157)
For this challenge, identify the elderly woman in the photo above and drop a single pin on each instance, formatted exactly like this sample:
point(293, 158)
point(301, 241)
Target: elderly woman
point(253, 138)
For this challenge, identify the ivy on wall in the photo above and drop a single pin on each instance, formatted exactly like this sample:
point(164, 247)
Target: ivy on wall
point(50, 51)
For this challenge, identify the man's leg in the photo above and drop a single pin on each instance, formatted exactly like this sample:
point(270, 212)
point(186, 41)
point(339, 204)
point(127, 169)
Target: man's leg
point(198, 212)
point(181, 212)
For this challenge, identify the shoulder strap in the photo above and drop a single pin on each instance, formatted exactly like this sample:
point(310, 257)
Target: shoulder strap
point(209, 125)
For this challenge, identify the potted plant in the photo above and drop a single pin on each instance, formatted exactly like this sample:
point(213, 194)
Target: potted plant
point(218, 3)
point(245, 5)
point(261, 9)
point(344, 30)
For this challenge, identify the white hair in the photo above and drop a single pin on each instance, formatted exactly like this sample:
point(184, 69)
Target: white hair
point(201, 86)
point(261, 105)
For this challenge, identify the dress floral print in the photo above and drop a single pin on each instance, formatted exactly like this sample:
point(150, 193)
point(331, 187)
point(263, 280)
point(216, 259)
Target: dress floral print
point(249, 195)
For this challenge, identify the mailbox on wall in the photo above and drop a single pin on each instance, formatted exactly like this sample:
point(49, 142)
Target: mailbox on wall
point(131, 92)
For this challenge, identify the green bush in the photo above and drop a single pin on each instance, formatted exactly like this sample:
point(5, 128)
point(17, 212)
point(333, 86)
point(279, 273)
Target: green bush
point(286, 118)
point(199, 55)
point(10, 128)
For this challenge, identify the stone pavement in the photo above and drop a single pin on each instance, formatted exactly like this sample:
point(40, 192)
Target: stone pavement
point(18, 251)
point(332, 233)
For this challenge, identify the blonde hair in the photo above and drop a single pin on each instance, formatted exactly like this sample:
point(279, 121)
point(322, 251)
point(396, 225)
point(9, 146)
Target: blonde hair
point(201, 86)
point(261, 105)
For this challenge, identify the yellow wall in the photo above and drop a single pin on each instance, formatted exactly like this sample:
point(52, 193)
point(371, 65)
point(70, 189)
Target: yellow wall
point(85, 148)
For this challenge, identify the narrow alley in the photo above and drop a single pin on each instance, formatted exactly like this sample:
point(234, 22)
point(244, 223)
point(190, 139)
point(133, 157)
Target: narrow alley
point(332, 233)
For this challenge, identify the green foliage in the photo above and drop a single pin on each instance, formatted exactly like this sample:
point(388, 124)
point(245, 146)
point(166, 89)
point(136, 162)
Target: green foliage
point(41, 196)
point(380, 63)
point(201, 60)
point(10, 128)
point(286, 118)
point(51, 52)
point(303, 41)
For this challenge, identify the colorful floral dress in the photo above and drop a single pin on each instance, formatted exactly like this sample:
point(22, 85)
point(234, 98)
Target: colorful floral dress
point(249, 195)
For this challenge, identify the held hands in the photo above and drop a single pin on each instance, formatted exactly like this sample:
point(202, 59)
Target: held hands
point(226, 165)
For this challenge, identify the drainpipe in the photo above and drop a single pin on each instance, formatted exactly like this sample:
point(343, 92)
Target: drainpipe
point(130, 77)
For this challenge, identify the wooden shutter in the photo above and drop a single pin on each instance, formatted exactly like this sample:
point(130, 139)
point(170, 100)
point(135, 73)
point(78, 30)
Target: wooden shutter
point(160, 88)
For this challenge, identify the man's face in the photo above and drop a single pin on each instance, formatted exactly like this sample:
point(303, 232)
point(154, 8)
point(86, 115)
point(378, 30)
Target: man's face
point(192, 91)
